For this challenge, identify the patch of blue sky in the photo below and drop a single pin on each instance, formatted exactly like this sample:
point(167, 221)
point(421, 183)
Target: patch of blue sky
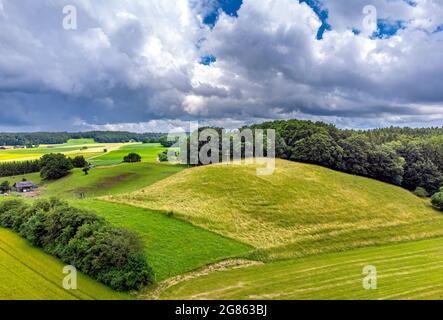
point(387, 28)
point(229, 7)
point(412, 3)
point(322, 13)
point(208, 60)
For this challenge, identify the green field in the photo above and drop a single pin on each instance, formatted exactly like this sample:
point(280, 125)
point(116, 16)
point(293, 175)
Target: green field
point(299, 210)
point(406, 271)
point(148, 152)
point(80, 141)
point(34, 177)
point(172, 246)
point(27, 273)
point(102, 181)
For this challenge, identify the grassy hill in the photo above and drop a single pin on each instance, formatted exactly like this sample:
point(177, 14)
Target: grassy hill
point(101, 181)
point(299, 210)
point(28, 273)
point(405, 271)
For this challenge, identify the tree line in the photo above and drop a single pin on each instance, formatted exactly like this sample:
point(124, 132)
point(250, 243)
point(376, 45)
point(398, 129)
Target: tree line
point(51, 166)
point(411, 158)
point(16, 168)
point(37, 138)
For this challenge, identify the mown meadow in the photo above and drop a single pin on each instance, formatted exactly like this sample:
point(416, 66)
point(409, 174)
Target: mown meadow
point(410, 270)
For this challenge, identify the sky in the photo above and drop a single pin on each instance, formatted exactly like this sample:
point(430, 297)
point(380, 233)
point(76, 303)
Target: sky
point(144, 65)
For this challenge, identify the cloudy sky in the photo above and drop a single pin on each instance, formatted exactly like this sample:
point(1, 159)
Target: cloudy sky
point(145, 65)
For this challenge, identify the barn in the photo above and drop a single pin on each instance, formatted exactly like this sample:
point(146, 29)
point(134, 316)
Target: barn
point(25, 186)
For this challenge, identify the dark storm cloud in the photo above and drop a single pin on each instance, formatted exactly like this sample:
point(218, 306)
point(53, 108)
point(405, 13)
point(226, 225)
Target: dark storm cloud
point(134, 62)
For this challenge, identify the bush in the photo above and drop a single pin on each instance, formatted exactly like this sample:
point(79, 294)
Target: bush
point(55, 166)
point(166, 143)
point(421, 192)
point(111, 255)
point(86, 170)
point(5, 187)
point(79, 162)
point(10, 213)
point(163, 157)
point(132, 157)
point(437, 201)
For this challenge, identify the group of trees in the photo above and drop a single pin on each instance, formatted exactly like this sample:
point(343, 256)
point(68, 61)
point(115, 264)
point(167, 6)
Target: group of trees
point(110, 255)
point(55, 166)
point(51, 166)
point(16, 168)
point(132, 158)
point(411, 158)
point(37, 138)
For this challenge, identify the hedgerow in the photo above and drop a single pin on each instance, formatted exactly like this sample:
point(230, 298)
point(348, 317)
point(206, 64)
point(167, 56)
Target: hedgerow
point(110, 255)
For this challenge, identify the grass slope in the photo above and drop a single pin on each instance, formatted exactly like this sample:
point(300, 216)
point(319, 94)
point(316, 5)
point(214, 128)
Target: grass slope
point(405, 271)
point(299, 210)
point(109, 180)
point(172, 246)
point(148, 152)
point(34, 177)
point(27, 273)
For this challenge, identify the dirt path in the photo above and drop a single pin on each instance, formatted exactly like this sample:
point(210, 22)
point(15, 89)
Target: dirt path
point(154, 293)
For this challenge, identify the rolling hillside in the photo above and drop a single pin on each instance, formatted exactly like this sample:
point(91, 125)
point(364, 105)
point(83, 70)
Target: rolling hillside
point(109, 180)
point(299, 210)
point(404, 271)
point(28, 273)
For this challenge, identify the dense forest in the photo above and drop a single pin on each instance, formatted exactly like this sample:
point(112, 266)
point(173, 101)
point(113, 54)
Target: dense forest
point(411, 158)
point(37, 138)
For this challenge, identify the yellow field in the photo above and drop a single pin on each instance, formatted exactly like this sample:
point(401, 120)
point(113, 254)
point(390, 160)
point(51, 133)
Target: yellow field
point(26, 273)
point(69, 149)
point(4, 157)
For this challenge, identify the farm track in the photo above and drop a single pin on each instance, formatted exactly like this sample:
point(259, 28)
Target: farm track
point(154, 293)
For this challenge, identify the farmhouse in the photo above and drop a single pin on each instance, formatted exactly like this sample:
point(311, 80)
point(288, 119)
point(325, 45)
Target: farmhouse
point(25, 186)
